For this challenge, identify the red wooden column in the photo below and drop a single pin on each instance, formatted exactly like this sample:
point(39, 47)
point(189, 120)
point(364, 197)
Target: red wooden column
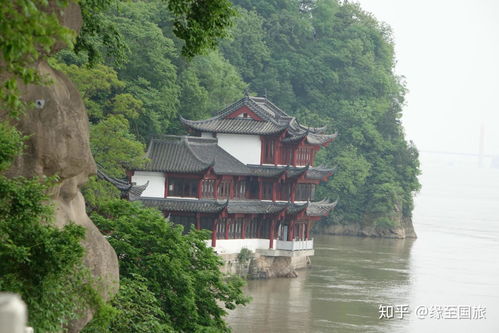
point(198, 221)
point(308, 230)
point(260, 189)
point(215, 187)
point(200, 184)
point(129, 175)
point(271, 233)
point(291, 230)
point(214, 233)
point(232, 185)
point(274, 191)
point(166, 185)
point(277, 151)
point(227, 223)
point(293, 190)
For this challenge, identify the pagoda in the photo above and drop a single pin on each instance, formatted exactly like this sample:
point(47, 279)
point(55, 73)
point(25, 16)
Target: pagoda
point(247, 175)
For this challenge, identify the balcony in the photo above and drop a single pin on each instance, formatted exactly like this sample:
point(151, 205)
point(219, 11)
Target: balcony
point(295, 245)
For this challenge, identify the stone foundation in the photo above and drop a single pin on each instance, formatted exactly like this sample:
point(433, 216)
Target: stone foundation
point(267, 265)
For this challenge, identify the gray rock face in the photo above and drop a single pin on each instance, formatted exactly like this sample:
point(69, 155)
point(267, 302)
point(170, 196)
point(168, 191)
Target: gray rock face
point(405, 230)
point(59, 145)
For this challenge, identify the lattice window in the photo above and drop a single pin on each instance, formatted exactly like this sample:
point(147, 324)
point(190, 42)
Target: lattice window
point(284, 191)
point(305, 192)
point(287, 155)
point(224, 189)
point(251, 229)
point(240, 189)
point(268, 151)
point(183, 187)
point(208, 188)
point(267, 190)
point(221, 225)
point(304, 156)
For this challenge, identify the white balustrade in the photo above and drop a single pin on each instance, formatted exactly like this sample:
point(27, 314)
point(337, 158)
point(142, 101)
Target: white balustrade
point(295, 245)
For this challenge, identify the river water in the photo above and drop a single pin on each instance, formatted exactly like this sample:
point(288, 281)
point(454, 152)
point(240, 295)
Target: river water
point(451, 270)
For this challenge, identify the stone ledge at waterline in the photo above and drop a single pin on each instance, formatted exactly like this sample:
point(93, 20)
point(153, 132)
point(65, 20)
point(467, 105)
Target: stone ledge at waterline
point(261, 267)
point(404, 230)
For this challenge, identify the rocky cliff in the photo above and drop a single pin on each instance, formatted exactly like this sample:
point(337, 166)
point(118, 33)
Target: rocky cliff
point(58, 144)
point(403, 229)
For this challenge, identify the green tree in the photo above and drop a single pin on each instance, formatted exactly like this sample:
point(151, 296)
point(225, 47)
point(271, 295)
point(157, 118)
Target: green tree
point(181, 271)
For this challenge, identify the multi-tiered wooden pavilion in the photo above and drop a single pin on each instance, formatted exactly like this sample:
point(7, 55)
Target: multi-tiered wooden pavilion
point(247, 175)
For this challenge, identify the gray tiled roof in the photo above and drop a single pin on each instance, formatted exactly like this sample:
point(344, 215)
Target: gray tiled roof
point(185, 205)
point(255, 207)
point(133, 192)
point(173, 154)
point(320, 172)
point(320, 208)
point(266, 170)
point(184, 154)
point(274, 120)
point(234, 126)
point(274, 171)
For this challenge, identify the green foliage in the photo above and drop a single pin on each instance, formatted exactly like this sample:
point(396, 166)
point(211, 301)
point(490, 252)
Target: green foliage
point(244, 255)
point(11, 144)
point(39, 261)
point(208, 84)
point(97, 191)
point(200, 23)
point(135, 309)
point(28, 31)
point(114, 147)
point(179, 274)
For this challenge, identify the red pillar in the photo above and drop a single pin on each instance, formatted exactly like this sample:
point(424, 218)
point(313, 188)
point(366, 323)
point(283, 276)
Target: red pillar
point(166, 186)
point(231, 188)
point(214, 233)
point(271, 234)
point(260, 189)
point(215, 188)
point(198, 221)
point(274, 191)
point(291, 231)
point(200, 185)
point(308, 230)
point(293, 190)
point(227, 223)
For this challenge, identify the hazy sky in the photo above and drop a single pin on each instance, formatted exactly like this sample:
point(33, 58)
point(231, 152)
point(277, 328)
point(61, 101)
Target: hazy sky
point(448, 50)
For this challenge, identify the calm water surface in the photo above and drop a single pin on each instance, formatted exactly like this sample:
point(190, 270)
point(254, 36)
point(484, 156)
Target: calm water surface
point(454, 262)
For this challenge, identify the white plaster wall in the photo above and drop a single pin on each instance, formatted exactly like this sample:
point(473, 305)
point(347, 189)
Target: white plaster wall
point(156, 187)
point(246, 148)
point(235, 245)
